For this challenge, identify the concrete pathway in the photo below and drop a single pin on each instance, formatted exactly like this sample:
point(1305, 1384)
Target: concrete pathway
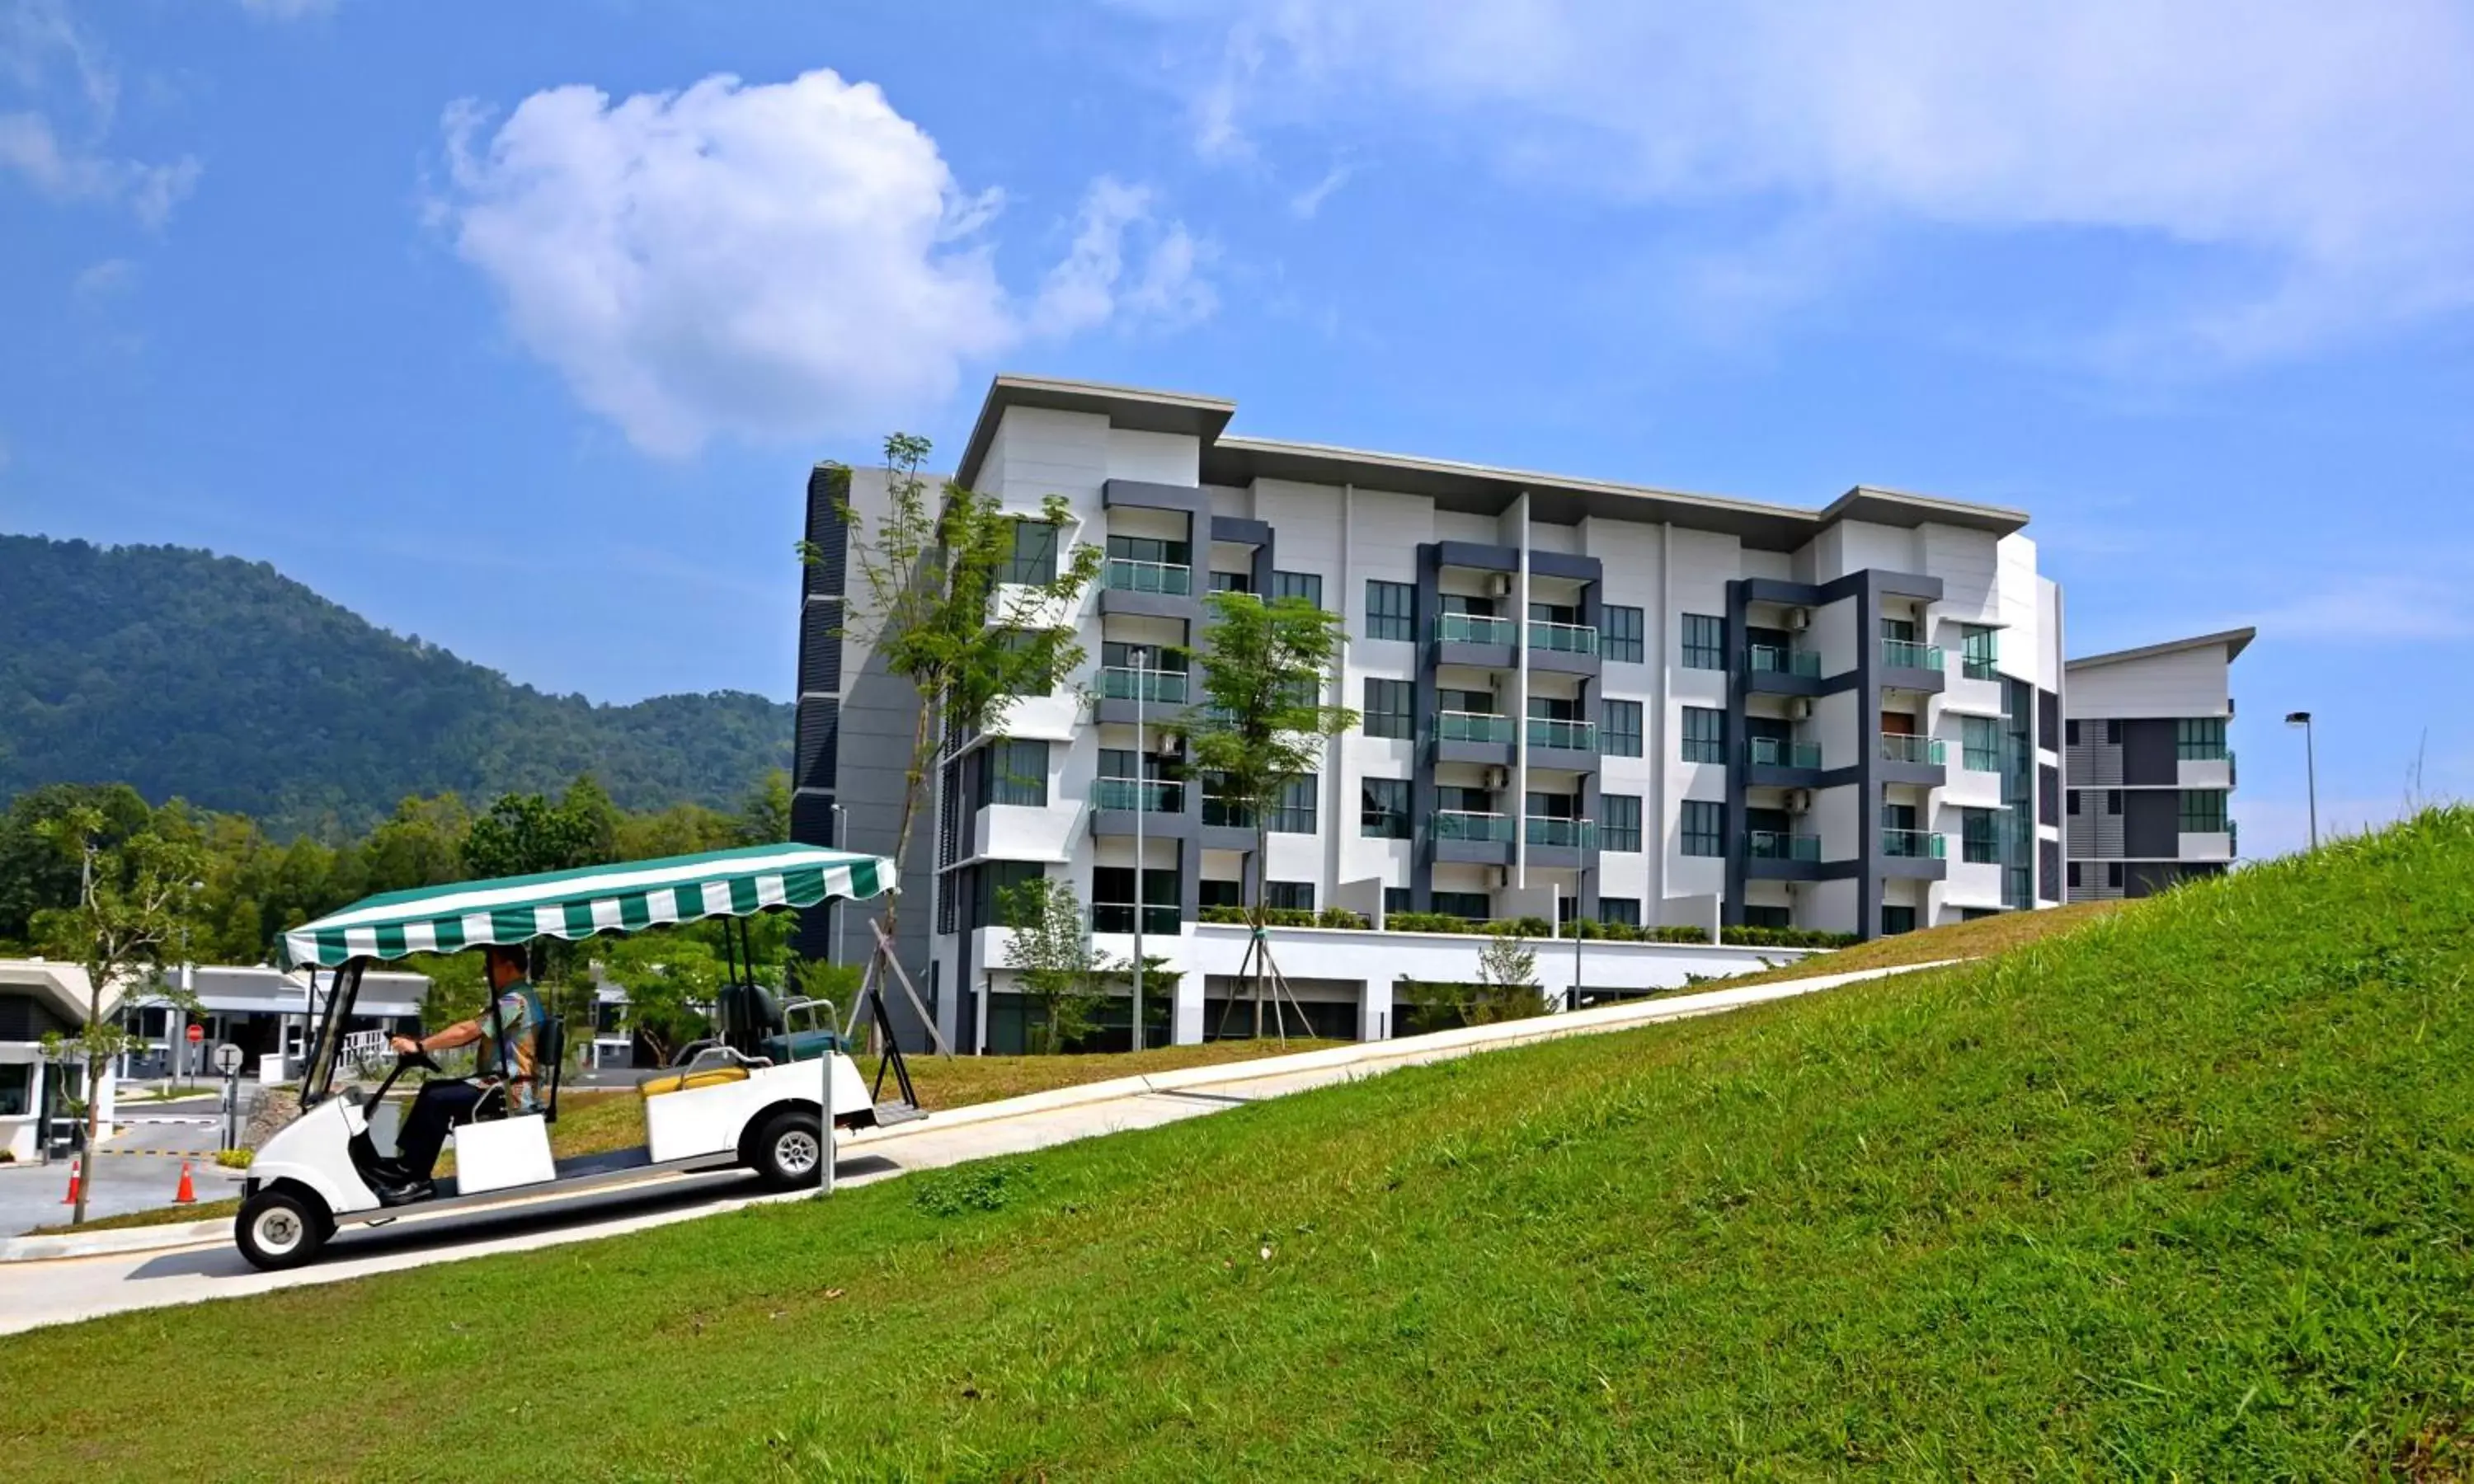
point(204, 1265)
point(126, 1180)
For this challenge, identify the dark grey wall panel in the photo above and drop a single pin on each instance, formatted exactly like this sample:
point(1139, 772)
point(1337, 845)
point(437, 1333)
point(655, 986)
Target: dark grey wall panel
point(2049, 721)
point(2151, 822)
point(817, 756)
point(820, 647)
point(2147, 752)
point(2048, 794)
point(2049, 869)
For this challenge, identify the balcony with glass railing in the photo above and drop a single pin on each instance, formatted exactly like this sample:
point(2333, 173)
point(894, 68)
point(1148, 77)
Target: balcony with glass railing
point(1563, 639)
point(2202, 749)
point(1222, 814)
point(1472, 727)
point(1150, 796)
point(1908, 655)
point(1980, 667)
point(1124, 682)
point(1778, 753)
point(1899, 747)
point(1781, 845)
point(1472, 629)
point(1914, 845)
point(1562, 735)
point(1545, 829)
point(1124, 574)
point(1468, 825)
point(1783, 659)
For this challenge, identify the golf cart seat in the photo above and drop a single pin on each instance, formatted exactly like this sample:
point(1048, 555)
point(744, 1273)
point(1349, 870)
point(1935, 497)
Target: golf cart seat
point(754, 1023)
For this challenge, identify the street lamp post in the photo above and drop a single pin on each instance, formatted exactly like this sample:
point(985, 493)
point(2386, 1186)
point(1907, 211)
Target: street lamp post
point(833, 913)
point(2310, 768)
point(1142, 801)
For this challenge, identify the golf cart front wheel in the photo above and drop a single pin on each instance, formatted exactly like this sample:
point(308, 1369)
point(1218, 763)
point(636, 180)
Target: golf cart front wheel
point(281, 1228)
point(790, 1151)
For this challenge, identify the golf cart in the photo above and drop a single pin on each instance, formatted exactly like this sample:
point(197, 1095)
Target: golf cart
point(756, 1093)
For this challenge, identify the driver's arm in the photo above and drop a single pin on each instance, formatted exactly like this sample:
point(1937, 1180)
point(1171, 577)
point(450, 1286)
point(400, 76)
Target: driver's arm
point(463, 1033)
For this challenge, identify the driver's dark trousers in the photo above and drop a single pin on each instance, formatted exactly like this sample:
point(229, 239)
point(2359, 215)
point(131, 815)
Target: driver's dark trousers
point(438, 1107)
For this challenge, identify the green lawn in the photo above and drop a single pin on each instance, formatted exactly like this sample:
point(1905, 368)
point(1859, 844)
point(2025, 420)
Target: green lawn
point(2186, 1193)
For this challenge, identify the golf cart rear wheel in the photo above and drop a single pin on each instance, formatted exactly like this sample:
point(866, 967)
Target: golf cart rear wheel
point(790, 1151)
point(281, 1228)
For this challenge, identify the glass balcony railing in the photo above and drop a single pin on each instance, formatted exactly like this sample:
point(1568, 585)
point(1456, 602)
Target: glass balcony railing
point(1568, 638)
point(1472, 727)
point(1468, 825)
point(1568, 736)
point(1980, 667)
point(1896, 747)
point(1908, 655)
point(1151, 795)
point(1124, 683)
point(1472, 629)
point(1113, 916)
point(1780, 845)
point(1220, 814)
point(1547, 830)
point(1781, 660)
point(1124, 574)
point(1914, 844)
point(1778, 753)
point(2202, 751)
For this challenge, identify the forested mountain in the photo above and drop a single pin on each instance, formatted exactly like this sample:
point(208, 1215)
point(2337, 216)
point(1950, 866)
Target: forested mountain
point(224, 681)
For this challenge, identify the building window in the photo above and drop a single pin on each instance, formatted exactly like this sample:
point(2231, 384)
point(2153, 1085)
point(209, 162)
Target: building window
point(2074, 875)
point(1758, 915)
point(1980, 833)
point(1397, 898)
point(1621, 828)
point(2071, 730)
point(1034, 554)
point(1298, 585)
point(1289, 895)
point(2199, 738)
point(1619, 634)
point(1388, 706)
point(1391, 611)
point(1705, 734)
point(2112, 801)
point(1897, 919)
point(1471, 905)
point(1620, 722)
point(2203, 811)
point(2113, 733)
point(1232, 582)
point(1294, 813)
point(1980, 748)
point(1623, 910)
point(2075, 802)
point(1383, 809)
point(2113, 875)
point(1014, 773)
point(1705, 828)
point(1149, 549)
point(1112, 900)
point(1705, 642)
point(996, 880)
point(1220, 893)
point(1980, 651)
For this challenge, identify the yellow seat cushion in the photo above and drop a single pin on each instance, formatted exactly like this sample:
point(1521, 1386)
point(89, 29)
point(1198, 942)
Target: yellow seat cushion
point(680, 1081)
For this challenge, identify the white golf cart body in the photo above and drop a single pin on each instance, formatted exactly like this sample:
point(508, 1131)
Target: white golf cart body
point(762, 1094)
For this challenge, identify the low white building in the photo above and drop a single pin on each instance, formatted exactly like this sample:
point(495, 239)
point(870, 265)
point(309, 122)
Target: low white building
point(263, 1009)
point(37, 996)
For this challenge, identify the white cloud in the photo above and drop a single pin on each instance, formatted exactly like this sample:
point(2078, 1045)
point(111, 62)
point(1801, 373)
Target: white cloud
point(38, 44)
point(1306, 203)
point(770, 261)
point(100, 281)
point(2325, 151)
point(2355, 610)
point(287, 9)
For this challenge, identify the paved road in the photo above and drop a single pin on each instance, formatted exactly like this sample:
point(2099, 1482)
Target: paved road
point(30, 1196)
point(58, 1290)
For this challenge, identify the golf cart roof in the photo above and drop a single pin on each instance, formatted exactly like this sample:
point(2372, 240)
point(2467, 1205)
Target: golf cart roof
point(578, 904)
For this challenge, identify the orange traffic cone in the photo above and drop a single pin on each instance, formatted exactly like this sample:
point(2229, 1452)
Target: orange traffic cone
point(187, 1196)
point(71, 1199)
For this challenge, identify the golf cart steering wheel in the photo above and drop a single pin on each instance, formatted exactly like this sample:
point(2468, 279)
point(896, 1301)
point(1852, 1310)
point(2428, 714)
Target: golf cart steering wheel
point(405, 1061)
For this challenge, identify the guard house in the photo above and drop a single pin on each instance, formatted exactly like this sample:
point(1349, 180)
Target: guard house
point(35, 997)
point(260, 1008)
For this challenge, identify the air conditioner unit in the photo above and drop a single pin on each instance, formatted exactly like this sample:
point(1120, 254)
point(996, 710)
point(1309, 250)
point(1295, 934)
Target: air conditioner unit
point(1799, 800)
point(1799, 619)
point(1170, 746)
point(1498, 877)
point(1799, 708)
point(1498, 777)
point(1500, 585)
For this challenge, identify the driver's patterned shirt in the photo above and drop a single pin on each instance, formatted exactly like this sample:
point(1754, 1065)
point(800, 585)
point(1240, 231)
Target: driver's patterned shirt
point(515, 1017)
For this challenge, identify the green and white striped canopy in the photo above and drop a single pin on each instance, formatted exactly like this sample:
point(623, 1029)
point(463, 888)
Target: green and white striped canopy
point(577, 905)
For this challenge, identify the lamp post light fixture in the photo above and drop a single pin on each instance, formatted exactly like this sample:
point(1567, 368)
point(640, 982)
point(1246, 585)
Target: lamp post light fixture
point(2310, 768)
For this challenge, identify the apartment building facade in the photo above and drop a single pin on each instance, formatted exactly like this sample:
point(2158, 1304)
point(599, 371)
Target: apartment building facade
point(1577, 698)
point(2150, 777)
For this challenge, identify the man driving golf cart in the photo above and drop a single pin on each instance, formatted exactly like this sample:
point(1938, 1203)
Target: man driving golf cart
point(509, 1030)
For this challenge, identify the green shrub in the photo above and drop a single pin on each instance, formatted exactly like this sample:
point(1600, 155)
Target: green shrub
point(1521, 927)
point(1425, 922)
point(234, 1159)
point(1782, 938)
point(1222, 914)
point(1675, 933)
point(1339, 917)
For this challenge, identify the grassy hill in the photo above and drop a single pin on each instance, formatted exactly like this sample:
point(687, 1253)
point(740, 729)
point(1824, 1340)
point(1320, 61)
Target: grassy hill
point(2186, 1192)
point(185, 673)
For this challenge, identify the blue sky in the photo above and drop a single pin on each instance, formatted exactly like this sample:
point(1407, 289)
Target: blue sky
point(520, 336)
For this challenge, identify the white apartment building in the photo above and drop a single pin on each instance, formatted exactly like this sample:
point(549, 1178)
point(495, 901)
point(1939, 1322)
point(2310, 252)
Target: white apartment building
point(1577, 697)
point(2150, 777)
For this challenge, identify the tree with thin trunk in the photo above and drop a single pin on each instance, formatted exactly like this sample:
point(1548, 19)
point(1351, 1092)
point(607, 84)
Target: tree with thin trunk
point(1063, 978)
point(132, 918)
point(1263, 722)
point(972, 603)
